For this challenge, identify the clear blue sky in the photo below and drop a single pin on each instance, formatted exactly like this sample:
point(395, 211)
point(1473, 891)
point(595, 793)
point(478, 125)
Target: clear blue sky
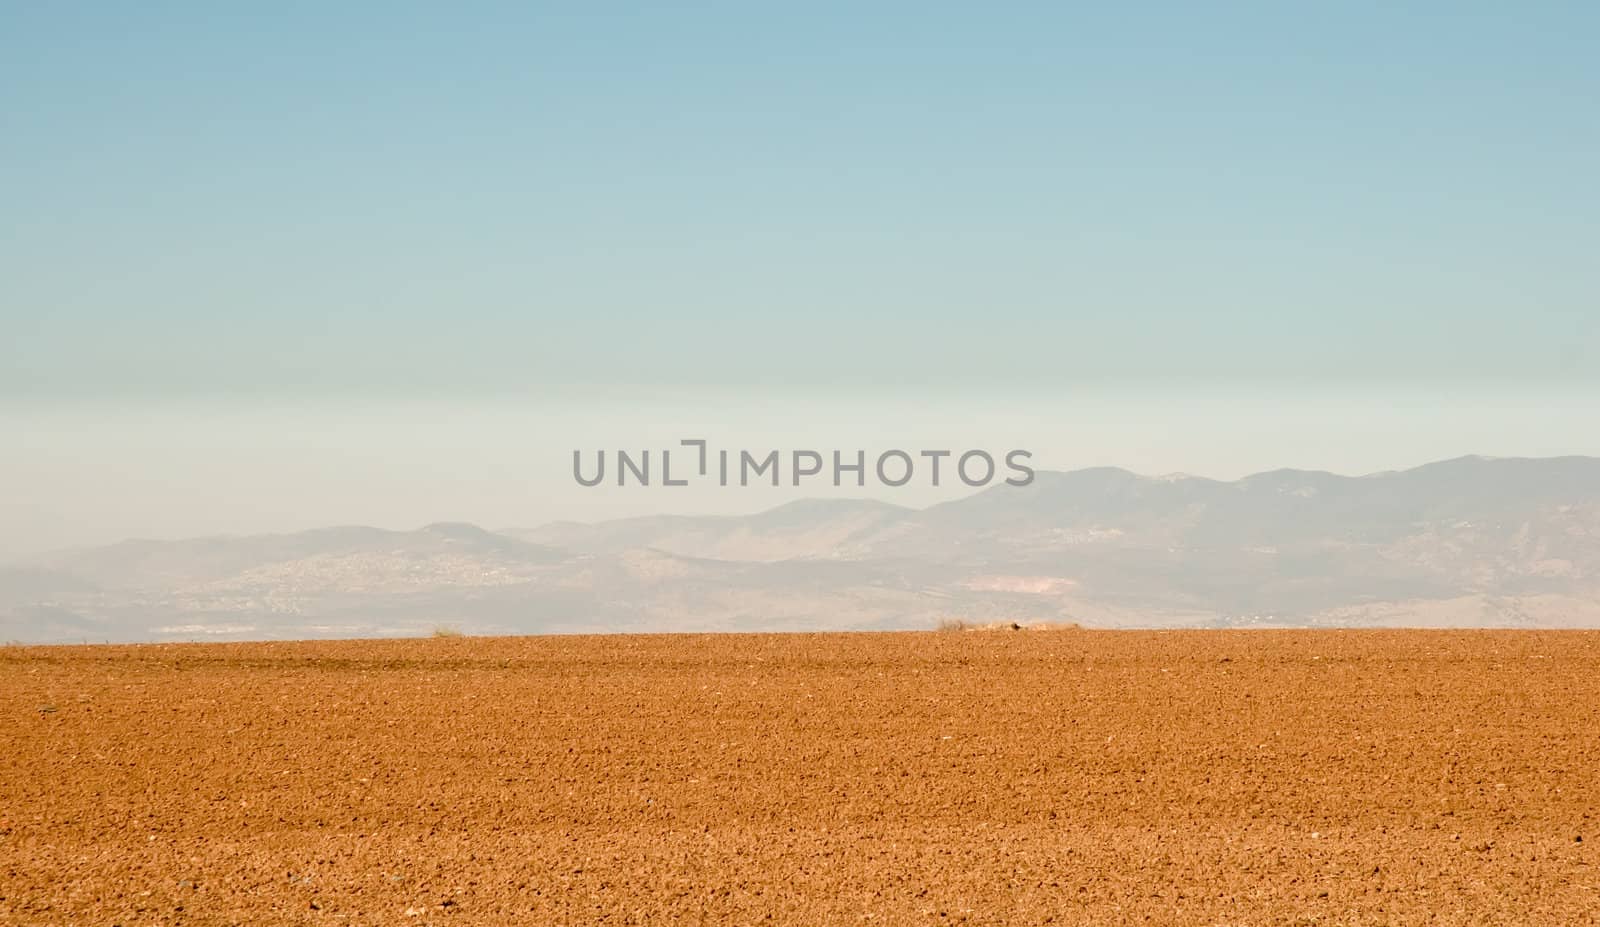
point(387, 199)
point(275, 266)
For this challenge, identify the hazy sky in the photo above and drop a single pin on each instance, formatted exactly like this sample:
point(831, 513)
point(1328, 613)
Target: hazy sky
point(298, 264)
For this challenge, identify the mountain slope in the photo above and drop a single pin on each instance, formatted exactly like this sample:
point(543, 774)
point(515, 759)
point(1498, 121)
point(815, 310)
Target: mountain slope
point(1471, 541)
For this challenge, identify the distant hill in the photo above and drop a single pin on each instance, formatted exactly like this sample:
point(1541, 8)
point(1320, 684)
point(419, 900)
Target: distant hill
point(1473, 542)
point(810, 528)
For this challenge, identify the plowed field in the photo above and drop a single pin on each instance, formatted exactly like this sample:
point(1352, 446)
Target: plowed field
point(1065, 777)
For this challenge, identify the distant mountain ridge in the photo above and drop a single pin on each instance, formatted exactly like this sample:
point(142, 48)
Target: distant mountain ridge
point(1471, 541)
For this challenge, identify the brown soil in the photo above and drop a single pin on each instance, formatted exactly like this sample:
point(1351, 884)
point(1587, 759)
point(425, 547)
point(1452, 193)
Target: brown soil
point(1067, 777)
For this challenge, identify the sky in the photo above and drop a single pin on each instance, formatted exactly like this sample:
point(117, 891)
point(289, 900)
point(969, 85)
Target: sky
point(388, 263)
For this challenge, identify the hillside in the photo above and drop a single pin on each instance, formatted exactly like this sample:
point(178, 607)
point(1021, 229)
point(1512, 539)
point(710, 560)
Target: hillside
point(1467, 542)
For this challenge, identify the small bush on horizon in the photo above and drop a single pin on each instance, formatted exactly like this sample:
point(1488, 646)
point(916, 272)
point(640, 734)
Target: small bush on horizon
point(445, 630)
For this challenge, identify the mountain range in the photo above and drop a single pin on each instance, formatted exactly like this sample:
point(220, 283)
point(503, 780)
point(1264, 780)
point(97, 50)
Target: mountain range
point(1467, 542)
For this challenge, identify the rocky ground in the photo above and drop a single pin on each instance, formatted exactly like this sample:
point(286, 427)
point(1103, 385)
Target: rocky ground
point(990, 777)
